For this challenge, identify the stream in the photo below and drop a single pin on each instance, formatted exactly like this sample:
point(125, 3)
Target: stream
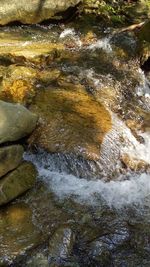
point(85, 212)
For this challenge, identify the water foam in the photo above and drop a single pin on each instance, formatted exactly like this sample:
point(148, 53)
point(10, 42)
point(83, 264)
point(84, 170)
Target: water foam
point(129, 190)
point(116, 194)
point(144, 88)
point(139, 150)
point(70, 32)
point(103, 43)
point(67, 32)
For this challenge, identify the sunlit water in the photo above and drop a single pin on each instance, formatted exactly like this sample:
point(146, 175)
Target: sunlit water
point(117, 194)
point(62, 173)
point(129, 189)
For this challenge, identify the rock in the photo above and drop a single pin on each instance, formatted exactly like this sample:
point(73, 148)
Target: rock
point(38, 260)
point(71, 122)
point(18, 232)
point(60, 245)
point(134, 163)
point(144, 44)
point(10, 158)
point(35, 11)
point(18, 84)
point(100, 253)
point(17, 182)
point(144, 33)
point(15, 122)
point(21, 51)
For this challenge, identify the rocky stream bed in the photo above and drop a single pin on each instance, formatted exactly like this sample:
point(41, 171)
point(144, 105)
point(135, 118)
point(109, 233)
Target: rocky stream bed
point(75, 114)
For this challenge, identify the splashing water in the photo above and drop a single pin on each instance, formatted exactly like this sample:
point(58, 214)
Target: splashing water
point(129, 190)
point(104, 44)
point(117, 194)
point(67, 32)
point(144, 88)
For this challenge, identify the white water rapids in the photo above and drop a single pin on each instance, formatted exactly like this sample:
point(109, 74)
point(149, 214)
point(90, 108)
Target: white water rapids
point(118, 194)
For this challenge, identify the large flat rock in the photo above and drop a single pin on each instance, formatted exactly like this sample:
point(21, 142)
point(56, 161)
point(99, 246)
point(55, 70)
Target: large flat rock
point(72, 122)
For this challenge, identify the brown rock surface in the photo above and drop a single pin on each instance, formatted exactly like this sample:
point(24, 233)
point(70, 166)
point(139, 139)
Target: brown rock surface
point(71, 122)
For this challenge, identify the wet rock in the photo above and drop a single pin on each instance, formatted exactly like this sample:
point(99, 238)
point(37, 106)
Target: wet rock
point(48, 76)
point(60, 245)
point(33, 12)
point(10, 158)
point(18, 233)
point(144, 46)
point(18, 84)
point(100, 253)
point(134, 163)
point(17, 182)
point(144, 33)
point(15, 122)
point(71, 122)
point(26, 47)
point(39, 260)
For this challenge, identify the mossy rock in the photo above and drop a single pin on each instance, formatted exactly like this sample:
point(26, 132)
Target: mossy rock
point(10, 158)
point(17, 182)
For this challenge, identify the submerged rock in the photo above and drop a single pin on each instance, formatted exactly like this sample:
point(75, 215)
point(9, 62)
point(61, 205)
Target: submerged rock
point(10, 158)
point(18, 232)
point(60, 245)
point(30, 12)
point(71, 122)
point(17, 182)
point(15, 122)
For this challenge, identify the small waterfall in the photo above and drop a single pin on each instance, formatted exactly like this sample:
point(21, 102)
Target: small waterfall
point(117, 194)
point(85, 181)
point(128, 189)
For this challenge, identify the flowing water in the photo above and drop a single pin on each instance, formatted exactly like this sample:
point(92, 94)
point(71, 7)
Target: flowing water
point(110, 218)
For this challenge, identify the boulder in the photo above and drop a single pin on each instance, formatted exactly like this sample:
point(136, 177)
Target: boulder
point(10, 158)
point(17, 182)
point(15, 122)
point(30, 12)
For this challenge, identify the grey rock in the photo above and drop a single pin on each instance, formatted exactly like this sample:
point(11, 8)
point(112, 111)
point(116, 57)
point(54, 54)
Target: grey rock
point(15, 122)
point(60, 246)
